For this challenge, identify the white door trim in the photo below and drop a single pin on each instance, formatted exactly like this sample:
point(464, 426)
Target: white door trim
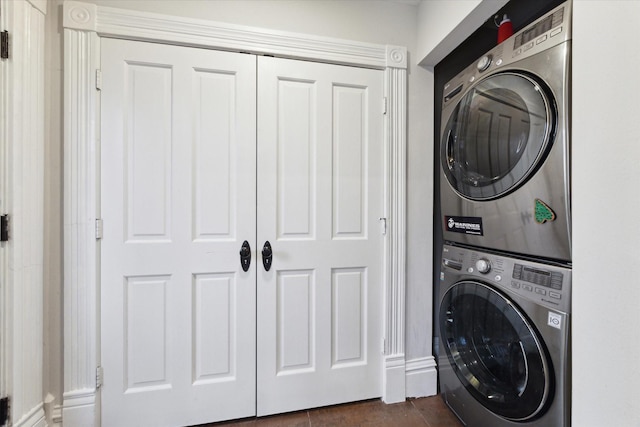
point(84, 24)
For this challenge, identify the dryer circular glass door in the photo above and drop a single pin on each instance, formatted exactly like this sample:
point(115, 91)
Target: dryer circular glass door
point(495, 352)
point(497, 135)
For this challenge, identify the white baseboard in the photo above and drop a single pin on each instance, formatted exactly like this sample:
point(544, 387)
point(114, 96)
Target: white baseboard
point(79, 408)
point(413, 378)
point(421, 377)
point(394, 379)
point(57, 416)
point(34, 418)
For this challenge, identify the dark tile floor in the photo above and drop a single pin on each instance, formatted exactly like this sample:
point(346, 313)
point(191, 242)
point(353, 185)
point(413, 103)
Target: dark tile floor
point(426, 411)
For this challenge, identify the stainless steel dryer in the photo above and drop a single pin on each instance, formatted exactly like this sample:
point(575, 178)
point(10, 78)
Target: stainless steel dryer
point(504, 149)
point(504, 340)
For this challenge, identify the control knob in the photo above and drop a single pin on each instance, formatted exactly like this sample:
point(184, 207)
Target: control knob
point(484, 62)
point(483, 265)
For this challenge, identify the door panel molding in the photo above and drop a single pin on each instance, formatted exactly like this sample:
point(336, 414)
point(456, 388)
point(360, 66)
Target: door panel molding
point(84, 25)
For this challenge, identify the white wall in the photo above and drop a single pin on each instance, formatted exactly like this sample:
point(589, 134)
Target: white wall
point(382, 22)
point(606, 212)
point(444, 24)
point(53, 326)
point(363, 20)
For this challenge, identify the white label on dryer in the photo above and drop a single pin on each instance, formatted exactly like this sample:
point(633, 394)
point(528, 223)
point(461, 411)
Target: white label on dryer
point(555, 320)
point(464, 224)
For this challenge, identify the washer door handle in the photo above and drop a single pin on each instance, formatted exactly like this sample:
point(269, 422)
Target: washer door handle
point(267, 255)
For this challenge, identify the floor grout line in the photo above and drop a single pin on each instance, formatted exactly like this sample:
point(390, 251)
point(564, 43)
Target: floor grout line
point(426, 422)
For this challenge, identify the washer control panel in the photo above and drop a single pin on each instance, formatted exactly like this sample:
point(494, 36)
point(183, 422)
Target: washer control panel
point(548, 285)
point(546, 32)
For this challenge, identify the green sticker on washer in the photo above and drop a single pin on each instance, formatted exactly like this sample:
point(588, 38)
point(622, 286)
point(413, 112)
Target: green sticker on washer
point(543, 212)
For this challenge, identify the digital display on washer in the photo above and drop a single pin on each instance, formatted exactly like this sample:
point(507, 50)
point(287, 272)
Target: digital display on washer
point(538, 29)
point(548, 279)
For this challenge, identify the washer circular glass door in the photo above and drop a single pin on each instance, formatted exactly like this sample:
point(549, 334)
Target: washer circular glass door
point(494, 351)
point(497, 135)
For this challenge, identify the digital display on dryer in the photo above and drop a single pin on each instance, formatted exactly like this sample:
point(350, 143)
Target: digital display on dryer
point(538, 277)
point(533, 32)
point(540, 28)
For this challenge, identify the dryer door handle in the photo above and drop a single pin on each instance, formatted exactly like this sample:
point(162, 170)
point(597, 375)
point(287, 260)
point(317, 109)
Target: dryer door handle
point(449, 150)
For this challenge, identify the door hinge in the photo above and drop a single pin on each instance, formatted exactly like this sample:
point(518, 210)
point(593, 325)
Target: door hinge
point(384, 346)
point(384, 105)
point(99, 376)
point(4, 44)
point(99, 228)
point(4, 228)
point(383, 225)
point(4, 411)
point(99, 79)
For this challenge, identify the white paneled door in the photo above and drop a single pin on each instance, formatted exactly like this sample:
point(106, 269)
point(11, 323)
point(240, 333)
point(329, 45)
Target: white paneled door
point(178, 313)
point(320, 197)
point(186, 178)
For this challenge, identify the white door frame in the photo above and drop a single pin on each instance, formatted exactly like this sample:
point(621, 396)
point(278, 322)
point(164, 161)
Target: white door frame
point(84, 25)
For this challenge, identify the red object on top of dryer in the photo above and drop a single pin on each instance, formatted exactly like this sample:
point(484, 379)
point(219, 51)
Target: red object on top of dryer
point(505, 30)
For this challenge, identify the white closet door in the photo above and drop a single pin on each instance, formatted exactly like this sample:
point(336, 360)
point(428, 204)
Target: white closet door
point(320, 196)
point(178, 199)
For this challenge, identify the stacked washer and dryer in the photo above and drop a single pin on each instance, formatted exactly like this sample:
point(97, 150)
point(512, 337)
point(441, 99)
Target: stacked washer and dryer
point(505, 279)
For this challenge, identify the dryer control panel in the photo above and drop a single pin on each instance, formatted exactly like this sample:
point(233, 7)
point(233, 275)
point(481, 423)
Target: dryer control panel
point(546, 32)
point(546, 284)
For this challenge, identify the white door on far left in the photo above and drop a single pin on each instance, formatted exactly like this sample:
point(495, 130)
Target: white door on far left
point(178, 159)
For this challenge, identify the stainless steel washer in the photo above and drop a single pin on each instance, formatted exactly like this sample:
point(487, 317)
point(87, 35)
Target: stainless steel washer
point(504, 152)
point(504, 326)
